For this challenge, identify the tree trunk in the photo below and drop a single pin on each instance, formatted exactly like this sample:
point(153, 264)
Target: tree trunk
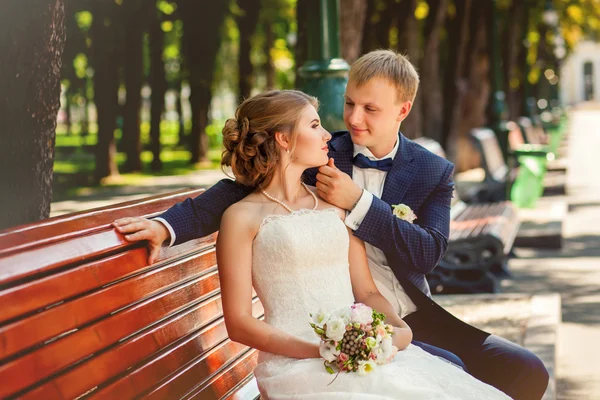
point(301, 51)
point(68, 98)
point(247, 25)
point(408, 28)
point(135, 22)
point(158, 83)
point(379, 17)
point(32, 42)
point(455, 83)
point(431, 85)
point(353, 13)
point(269, 65)
point(105, 61)
point(514, 26)
point(201, 56)
point(183, 138)
point(473, 112)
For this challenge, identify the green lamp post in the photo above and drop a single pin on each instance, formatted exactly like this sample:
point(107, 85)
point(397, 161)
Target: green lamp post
point(325, 74)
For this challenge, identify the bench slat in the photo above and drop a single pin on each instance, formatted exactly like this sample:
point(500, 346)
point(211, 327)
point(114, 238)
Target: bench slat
point(190, 377)
point(230, 378)
point(62, 228)
point(61, 353)
point(65, 317)
point(151, 375)
point(203, 324)
point(34, 295)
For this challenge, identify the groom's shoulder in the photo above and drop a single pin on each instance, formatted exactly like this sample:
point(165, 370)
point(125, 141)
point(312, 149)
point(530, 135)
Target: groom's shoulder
point(428, 158)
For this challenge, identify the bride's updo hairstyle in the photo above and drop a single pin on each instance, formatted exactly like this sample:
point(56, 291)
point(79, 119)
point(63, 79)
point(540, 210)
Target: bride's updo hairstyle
point(249, 139)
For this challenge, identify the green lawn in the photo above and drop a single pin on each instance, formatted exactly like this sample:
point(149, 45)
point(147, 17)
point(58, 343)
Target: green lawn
point(74, 160)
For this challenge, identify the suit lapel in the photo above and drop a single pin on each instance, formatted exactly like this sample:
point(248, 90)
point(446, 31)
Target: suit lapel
point(403, 171)
point(342, 150)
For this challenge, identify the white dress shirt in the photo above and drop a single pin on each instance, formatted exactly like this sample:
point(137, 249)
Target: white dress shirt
point(372, 180)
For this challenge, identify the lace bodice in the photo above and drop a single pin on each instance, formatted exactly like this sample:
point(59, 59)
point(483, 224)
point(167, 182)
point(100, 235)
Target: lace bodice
point(299, 264)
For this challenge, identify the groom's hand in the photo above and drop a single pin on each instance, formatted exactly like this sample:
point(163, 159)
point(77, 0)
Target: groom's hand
point(337, 187)
point(136, 229)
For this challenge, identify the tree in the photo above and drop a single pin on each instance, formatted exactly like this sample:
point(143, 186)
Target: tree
point(158, 83)
point(352, 17)
point(201, 47)
point(431, 84)
point(32, 43)
point(136, 17)
point(105, 36)
point(247, 25)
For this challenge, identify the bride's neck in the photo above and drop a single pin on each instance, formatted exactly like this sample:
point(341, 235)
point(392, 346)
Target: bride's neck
point(286, 184)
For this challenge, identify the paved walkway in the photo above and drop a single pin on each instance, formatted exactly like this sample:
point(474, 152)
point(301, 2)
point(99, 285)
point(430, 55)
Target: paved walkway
point(574, 271)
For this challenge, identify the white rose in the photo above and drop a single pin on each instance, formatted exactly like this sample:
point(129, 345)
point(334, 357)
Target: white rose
point(366, 367)
point(343, 313)
point(320, 318)
point(385, 350)
point(362, 314)
point(328, 351)
point(371, 342)
point(336, 329)
point(404, 212)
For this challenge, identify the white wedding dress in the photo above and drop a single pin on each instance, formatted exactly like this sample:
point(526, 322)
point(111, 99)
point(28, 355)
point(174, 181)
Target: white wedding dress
point(300, 264)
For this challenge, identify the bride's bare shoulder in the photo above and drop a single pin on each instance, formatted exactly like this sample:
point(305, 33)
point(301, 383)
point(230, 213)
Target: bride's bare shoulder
point(243, 214)
point(323, 205)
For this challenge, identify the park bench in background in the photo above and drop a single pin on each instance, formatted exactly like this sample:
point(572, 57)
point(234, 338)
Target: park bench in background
point(81, 312)
point(481, 237)
point(498, 177)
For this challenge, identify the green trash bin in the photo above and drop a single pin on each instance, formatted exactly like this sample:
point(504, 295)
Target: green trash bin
point(528, 186)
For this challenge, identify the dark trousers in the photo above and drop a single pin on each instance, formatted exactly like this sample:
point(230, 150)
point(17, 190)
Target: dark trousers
point(505, 365)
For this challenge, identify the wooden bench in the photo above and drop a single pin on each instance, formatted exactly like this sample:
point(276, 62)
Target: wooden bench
point(83, 314)
point(481, 237)
point(498, 175)
point(533, 133)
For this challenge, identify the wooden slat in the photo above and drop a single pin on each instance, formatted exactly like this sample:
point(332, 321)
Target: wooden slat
point(248, 390)
point(204, 319)
point(220, 387)
point(53, 357)
point(153, 373)
point(208, 365)
point(39, 293)
point(77, 224)
point(55, 321)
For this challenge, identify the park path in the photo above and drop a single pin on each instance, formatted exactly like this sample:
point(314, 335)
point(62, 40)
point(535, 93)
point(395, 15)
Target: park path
point(574, 271)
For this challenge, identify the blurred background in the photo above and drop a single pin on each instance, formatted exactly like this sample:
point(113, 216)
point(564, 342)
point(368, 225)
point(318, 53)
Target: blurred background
point(147, 85)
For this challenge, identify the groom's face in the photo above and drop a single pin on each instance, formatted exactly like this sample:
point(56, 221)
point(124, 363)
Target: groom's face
point(372, 114)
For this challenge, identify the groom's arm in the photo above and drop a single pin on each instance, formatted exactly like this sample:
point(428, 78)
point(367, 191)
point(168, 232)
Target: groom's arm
point(418, 246)
point(201, 216)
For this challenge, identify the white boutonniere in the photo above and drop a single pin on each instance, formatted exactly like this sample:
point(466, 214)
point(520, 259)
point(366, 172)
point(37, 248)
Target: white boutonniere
point(404, 212)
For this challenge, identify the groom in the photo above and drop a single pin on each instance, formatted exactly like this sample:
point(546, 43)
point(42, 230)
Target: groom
point(371, 168)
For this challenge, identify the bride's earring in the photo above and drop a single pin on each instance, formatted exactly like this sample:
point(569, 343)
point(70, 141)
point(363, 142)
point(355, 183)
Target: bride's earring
point(287, 151)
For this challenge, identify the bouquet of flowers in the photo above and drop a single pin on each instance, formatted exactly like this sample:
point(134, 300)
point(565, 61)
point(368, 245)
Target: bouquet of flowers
point(353, 339)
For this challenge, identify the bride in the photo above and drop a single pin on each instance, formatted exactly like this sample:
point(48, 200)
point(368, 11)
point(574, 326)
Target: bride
point(297, 253)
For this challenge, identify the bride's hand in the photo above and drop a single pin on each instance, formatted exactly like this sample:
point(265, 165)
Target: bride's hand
point(401, 337)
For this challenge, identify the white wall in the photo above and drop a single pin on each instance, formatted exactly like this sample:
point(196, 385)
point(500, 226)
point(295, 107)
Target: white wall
point(571, 79)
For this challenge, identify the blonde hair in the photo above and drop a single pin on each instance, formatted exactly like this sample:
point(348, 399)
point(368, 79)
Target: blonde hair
point(389, 65)
point(249, 138)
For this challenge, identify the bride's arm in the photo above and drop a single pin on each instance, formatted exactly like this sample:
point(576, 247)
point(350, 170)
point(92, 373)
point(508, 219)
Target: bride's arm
point(366, 292)
point(234, 258)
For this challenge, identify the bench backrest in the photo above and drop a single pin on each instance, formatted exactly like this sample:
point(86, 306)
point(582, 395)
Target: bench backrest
point(491, 156)
point(532, 133)
point(81, 311)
